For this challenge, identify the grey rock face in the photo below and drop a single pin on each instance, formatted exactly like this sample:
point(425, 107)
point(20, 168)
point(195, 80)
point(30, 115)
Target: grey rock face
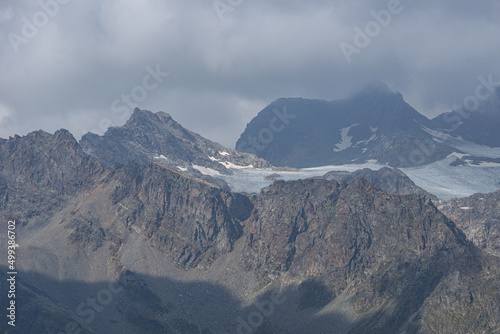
point(397, 256)
point(188, 219)
point(479, 217)
point(40, 172)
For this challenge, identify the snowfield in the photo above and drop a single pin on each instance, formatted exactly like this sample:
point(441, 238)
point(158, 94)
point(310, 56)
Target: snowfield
point(253, 180)
point(438, 178)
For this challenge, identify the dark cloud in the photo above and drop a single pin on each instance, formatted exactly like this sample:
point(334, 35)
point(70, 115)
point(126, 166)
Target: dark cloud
point(68, 73)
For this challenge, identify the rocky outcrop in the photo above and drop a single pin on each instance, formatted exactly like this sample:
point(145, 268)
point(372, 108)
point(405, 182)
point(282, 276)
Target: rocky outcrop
point(479, 217)
point(192, 221)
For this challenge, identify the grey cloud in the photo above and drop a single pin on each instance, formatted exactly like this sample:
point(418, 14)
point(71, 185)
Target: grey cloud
point(223, 72)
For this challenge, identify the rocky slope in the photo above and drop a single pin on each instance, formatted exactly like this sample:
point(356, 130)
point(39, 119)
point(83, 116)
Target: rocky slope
point(391, 262)
point(479, 217)
point(375, 124)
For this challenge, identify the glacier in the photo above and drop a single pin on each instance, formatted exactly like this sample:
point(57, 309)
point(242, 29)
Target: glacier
point(438, 178)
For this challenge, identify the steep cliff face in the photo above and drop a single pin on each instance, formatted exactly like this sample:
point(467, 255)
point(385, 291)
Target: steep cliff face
point(479, 217)
point(188, 219)
point(390, 253)
point(301, 214)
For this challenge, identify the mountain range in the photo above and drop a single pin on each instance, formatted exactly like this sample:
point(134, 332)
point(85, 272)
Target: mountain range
point(136, 231)
point(375, 124)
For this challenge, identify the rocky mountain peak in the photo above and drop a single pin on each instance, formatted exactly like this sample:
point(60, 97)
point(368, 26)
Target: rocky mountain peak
point(157, 137)
point(145, 117)
point(357, 129)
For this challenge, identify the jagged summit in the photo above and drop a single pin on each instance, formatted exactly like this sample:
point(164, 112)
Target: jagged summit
point(145, 116)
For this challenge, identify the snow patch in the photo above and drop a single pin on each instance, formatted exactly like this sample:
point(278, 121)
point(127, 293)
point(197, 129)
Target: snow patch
point(438, 178)
point(346, 140)
point(456, 154)
point(373, 137)
point(161, 157)
point(207, 171)
point(182, 168)
point(230, 165)
point(466, 208)
point(223, 153)
point(252, 180)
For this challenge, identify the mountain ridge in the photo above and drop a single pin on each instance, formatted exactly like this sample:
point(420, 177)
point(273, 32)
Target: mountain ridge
point(149, 136)
point(344, 255)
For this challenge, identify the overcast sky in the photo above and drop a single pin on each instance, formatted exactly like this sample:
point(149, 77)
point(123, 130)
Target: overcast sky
point(73, 65)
